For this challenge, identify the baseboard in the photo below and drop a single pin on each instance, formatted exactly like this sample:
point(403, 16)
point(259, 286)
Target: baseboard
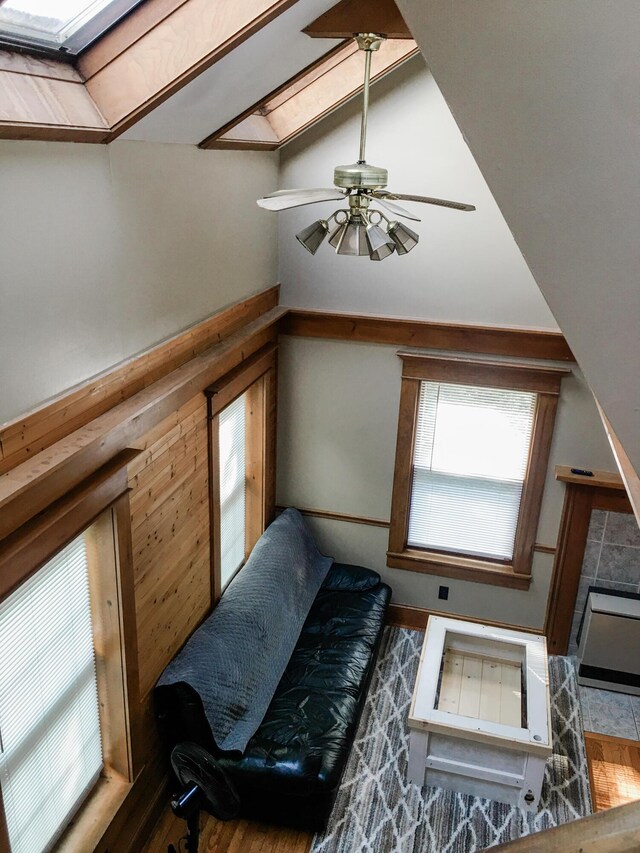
point(415, 618)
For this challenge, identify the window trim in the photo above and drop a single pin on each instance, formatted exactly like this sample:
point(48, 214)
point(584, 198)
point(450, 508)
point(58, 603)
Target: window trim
point(102, 501)
point(257, 377)
point(545, 383)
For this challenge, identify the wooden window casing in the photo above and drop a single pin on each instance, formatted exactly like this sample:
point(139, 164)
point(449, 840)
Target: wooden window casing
point(545, 383)
point(257, 378)
point(99, 507)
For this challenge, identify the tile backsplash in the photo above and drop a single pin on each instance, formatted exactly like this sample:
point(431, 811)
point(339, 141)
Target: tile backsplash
point(611, 559)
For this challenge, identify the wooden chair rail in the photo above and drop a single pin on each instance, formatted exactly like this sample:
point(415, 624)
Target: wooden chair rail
point(399, 331)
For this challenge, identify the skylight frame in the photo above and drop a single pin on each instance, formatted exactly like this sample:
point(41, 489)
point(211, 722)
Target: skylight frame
point(77, 35)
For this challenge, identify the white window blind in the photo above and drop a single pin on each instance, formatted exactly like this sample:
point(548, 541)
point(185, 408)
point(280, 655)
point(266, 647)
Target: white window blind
point(470, 460)
point(231, 433)
point(50, 744)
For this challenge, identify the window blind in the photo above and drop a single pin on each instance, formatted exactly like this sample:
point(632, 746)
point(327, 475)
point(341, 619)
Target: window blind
point(470, 460)
point(50, 744)
point(231, 433)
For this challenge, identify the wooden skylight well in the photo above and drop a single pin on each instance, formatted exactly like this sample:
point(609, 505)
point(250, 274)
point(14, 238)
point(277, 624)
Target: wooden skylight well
point(309, 96)
point(58, 27)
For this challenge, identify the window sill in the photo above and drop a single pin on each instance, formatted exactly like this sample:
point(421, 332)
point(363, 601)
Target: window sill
point(95, 815)
point(462, 568)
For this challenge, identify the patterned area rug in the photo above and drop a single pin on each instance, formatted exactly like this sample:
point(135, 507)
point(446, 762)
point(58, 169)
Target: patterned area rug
point(378, 811)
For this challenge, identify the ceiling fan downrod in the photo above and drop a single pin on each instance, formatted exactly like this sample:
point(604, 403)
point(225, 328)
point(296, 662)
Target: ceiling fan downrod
point(361, 175)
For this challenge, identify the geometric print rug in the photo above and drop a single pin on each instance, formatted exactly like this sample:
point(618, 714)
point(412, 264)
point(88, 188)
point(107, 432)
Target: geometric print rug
point(378, 811)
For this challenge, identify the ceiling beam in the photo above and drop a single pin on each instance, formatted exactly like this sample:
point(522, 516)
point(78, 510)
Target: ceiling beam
point(360, 16)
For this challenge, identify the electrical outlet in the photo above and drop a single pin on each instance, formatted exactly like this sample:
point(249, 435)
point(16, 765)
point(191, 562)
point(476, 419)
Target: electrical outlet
point(443, 593)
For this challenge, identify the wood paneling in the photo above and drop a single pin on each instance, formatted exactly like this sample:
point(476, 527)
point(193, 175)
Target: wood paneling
point(519, 343)
point(47, 107)
point(614, 770)
point(360, 16)
point(62, 466)
point(135, 25)
point(170, 523)
point(34, 66)
point(194, 36)
point(31, 433)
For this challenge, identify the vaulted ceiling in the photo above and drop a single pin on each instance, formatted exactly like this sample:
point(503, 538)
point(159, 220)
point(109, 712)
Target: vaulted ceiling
point(189, 71)
point(546, 95)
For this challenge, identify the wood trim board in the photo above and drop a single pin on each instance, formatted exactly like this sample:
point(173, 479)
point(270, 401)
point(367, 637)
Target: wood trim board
point(416, 618)
point(582, 494)
point(360, 16)
point(397, 331)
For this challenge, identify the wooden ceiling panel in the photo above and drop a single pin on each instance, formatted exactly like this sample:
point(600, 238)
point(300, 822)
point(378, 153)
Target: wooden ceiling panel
point(360, 16)
point(308, 97)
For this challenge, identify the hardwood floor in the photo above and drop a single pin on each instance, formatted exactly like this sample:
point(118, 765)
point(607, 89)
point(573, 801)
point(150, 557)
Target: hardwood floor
point(234, 836)
point(614, 770)
point(614, 773)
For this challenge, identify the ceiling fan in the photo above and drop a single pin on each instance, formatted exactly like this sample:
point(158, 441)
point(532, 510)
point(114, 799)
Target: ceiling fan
point(360, 229)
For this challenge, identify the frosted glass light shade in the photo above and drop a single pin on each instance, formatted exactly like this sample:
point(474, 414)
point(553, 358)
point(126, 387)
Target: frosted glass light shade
point(312, 236)
point(379, 242)
point(404, 238)
point(353, 239)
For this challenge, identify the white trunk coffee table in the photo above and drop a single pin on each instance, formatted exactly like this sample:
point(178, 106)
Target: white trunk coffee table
point(480, 718)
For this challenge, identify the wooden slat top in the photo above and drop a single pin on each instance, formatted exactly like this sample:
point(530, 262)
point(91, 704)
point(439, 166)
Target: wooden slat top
point(600, 479)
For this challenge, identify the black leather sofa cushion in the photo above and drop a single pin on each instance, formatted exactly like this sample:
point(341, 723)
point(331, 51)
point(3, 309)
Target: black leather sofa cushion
point(342, 576)
point(292, 766)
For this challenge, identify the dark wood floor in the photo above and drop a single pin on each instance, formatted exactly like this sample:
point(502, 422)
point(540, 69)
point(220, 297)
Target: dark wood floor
point(235, 836)
point(614, 770)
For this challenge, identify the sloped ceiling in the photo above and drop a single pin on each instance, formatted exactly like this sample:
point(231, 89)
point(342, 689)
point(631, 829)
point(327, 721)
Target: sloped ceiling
point(245, 75)
point(547, 96)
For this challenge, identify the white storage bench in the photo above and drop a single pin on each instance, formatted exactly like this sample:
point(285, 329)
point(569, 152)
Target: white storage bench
point(480, 718)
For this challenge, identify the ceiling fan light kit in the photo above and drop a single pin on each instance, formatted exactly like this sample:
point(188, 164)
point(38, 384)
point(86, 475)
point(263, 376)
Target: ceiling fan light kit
point(359, 230)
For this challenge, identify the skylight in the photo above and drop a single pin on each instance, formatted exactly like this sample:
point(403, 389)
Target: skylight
point(62, 26)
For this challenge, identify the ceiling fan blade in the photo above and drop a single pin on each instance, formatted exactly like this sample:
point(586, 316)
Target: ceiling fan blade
point(441, 202)
point(284, 199)
point(396, 209)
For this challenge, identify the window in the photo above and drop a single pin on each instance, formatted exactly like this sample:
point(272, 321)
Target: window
point(232, 477)
point(50, 741)
point(471, 457)
point(68, 26)
point(242, 413)
point(69, 694)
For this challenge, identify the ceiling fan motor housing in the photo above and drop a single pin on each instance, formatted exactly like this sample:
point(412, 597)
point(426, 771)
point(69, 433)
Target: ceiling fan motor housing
point(357, 176)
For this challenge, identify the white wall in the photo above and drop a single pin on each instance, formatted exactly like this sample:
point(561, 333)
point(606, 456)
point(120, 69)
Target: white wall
point(106, 250)
point(337, 424)
point(547, 96)
point(466, 268)
point(338, 406)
